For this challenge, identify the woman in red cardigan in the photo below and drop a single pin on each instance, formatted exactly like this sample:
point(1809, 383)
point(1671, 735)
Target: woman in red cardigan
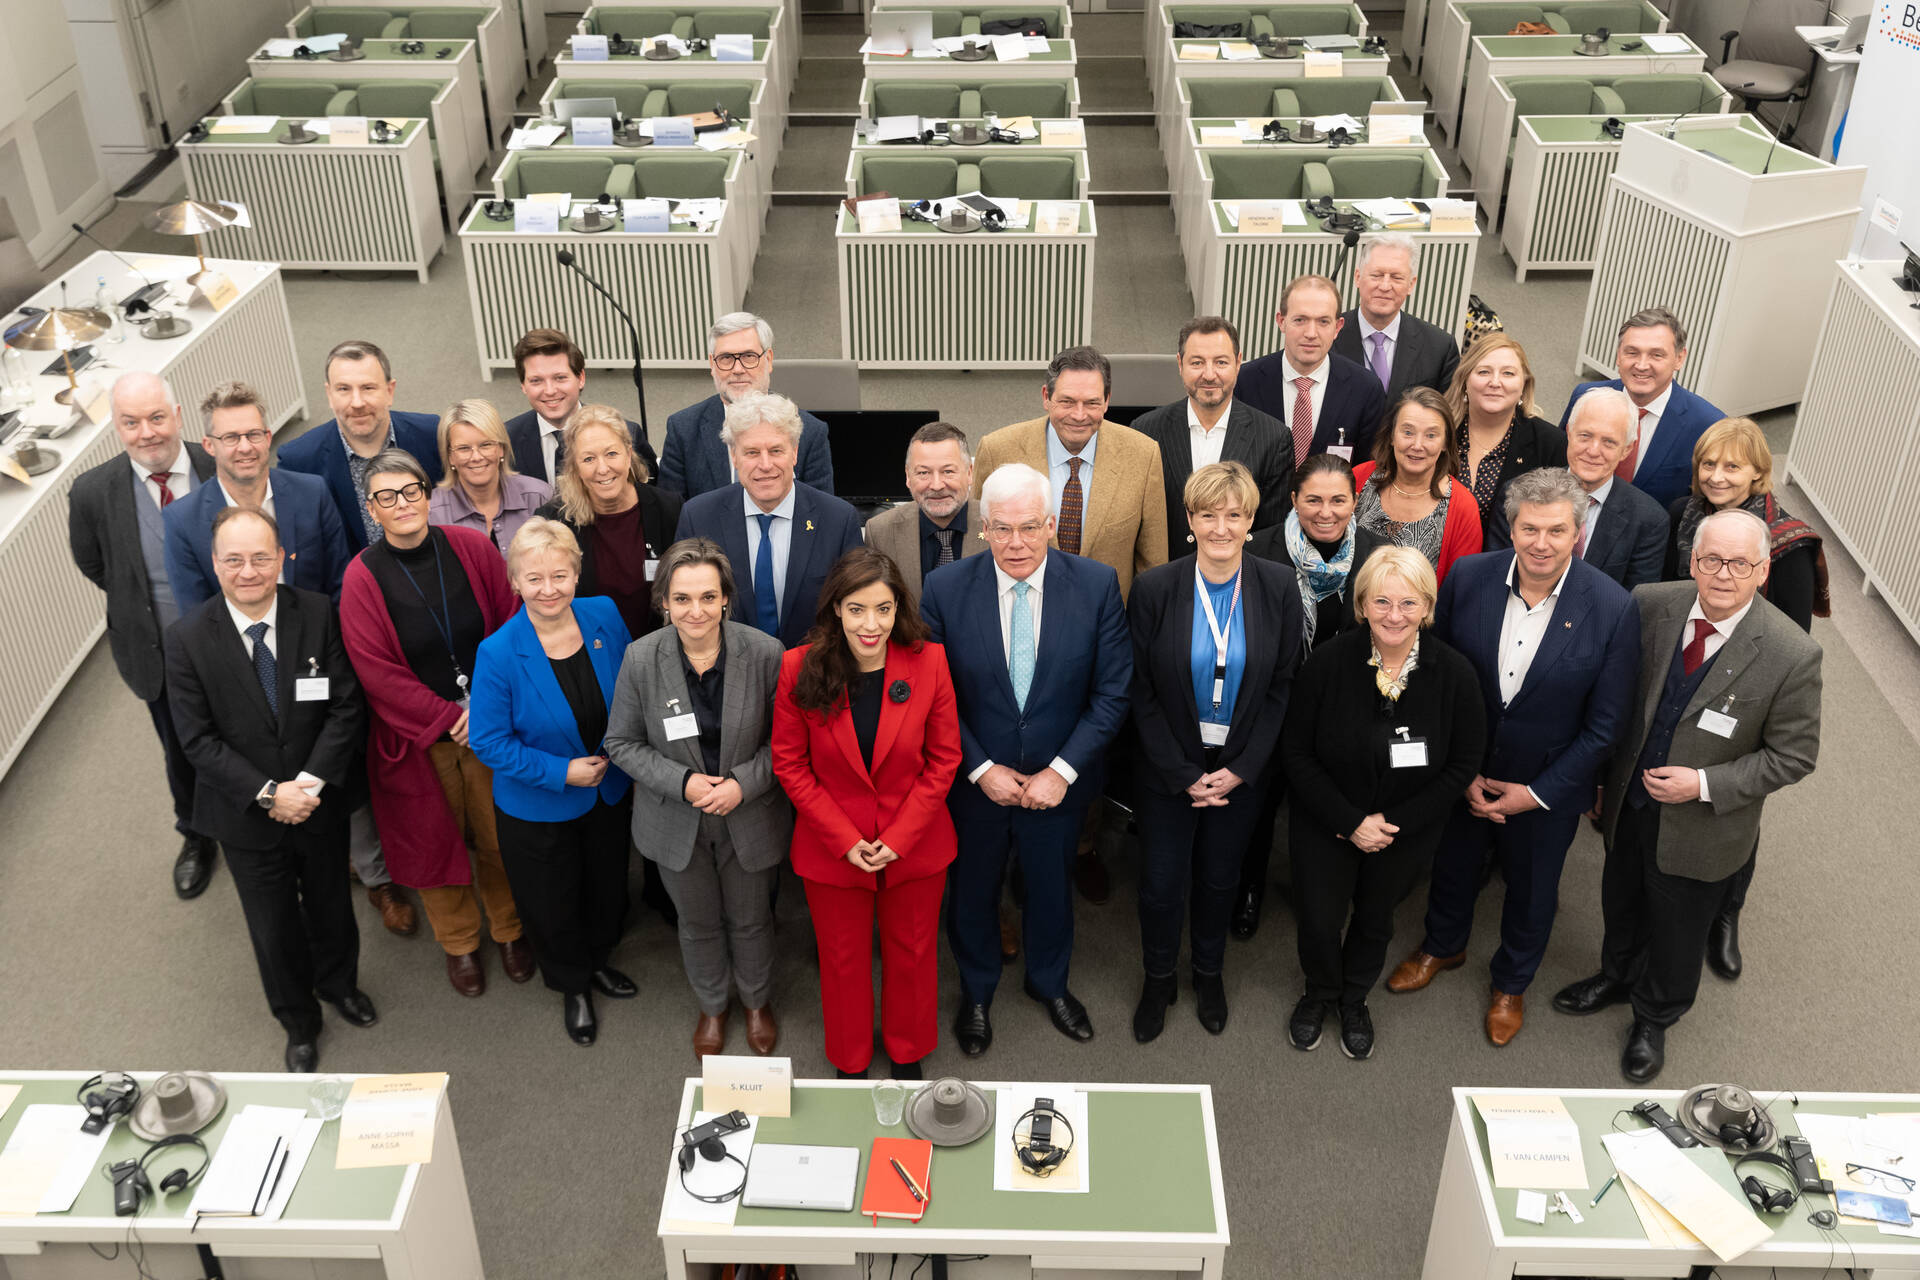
point(866, 742)
point(1408, 494)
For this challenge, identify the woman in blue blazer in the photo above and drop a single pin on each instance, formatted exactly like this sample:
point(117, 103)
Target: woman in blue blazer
point(542, 685)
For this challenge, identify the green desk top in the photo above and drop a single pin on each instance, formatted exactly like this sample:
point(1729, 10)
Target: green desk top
point(1746, 145)
point(1346, 55)
point(1232, 122)
point(323, 1194)
point(385, 51)
point(1557, 46)
point(1149, 1170)
point(1029, 146)
point(477, 220)
point(641, 60)
point(849, 225)
point(1614, 1218)
point(1312, 228)
point(1576, 128)
point(407, 130)
point(1057, 51)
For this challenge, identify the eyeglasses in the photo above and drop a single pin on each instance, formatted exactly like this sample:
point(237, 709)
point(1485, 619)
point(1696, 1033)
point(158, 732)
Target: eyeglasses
point(738, 359)
point(462, 452)
point(1002, 534)
point(234, 564)
point(1738, 568)
point(408, 493)
point(259, 435)
point(1868, 1176)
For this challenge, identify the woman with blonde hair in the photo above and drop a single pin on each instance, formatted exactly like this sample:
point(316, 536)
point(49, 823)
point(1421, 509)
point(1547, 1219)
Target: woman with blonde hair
point(1498, 430)
point(479, 489)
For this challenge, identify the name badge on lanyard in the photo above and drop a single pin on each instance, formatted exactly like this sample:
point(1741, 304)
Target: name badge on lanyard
point(1340, 448)
point(1406, 753)
point(312, 687)
point(1720, 723)
point(1221, 633)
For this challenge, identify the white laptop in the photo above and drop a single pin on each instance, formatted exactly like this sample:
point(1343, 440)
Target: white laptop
point(794, 1177)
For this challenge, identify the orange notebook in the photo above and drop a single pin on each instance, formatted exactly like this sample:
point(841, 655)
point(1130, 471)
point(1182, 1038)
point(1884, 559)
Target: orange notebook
point(886, 1196)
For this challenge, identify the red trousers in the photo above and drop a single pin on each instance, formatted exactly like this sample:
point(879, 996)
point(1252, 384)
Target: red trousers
point(843, 921)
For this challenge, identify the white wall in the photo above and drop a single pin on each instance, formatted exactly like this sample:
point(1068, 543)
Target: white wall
point(1880, 128)
point(50, 171)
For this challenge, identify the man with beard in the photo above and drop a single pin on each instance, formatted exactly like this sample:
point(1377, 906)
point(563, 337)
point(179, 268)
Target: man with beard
point(941, 524)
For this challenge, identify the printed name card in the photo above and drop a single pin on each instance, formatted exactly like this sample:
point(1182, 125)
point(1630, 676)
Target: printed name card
point(1322, 66)
point(1056, 217)
point(390, 1120)
point(536, 216)
point(1262, 217)
point(1451, 215)
point(347, 131)
point(733, 47)
point(648, 215)
point(589, 48)
point(757, 1086)
point(880, 213)
point(1395, 128)
point(1063, 133)
point(593, 131)
point(672, 131)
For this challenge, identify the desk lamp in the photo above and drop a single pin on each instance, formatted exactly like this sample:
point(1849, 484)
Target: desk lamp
point(60, 329)
point(194, 218)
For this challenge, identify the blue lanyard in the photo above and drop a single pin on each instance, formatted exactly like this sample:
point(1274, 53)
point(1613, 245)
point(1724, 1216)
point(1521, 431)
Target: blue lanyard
point(443, 625)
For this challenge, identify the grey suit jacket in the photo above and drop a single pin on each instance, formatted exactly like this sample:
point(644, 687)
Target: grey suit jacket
point(664, 824)
point(896, 532)
point(1767, 677)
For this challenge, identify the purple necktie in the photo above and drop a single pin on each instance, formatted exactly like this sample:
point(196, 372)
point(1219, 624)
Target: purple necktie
point(1382, 366)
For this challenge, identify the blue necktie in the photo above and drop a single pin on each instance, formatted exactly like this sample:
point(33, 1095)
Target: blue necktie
point(1020, 644)
point(766, 601)
point(264, 667)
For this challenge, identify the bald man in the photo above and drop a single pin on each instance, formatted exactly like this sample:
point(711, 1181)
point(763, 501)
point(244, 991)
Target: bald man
point(118, 542)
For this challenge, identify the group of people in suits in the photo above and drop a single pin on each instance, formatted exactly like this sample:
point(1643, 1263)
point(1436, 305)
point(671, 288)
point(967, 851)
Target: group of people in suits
point(1411, 611)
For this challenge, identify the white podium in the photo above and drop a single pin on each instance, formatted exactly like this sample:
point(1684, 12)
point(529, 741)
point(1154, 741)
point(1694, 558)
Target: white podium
point(1737, 236)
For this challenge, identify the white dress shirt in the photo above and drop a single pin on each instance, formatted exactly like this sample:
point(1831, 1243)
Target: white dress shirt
point(266, 506)
point(1316, 394)
point(1649, 423)
point(550, 433)
point(311, 783)
point(179, 477)
point(1715, 640)
point(1058, 472)
point(1004, 593)
point(1521, 632)
point(1204, 444)
point(1596, 503)
point(782, 534)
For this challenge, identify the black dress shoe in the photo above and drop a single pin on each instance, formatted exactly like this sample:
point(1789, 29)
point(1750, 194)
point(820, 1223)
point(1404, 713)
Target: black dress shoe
point(1304, 1026)
point(1646, 1052)
point(1210, 1001)
point(907, 1071)
point(1723, 945)
point(973, 1029)
point(303, 1056)
point(1246, 915)
point(194, 867)
point(356, 1008)
point(1150, 1015)
point(582, 1026)
point(1356, 1032)
point(1590, 995)
point(609, 981)
point(1068, 1014)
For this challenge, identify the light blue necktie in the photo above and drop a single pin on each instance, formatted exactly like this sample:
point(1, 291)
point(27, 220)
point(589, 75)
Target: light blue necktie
point(766, 601)
point(1020, 660)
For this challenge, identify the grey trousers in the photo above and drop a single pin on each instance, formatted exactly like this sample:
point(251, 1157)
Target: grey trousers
point(724, 912)
point(363, 849)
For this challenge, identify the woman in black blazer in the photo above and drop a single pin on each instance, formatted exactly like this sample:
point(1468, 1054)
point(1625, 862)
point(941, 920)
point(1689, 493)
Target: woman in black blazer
point(1384, 732)
point(1215, 638)
point(1498, 430)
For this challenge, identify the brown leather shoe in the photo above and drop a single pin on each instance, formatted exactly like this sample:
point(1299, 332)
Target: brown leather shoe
point(1009, 934)
point(1418, 969)
point(395, 911)
point(516, 958)
point(762, 1031)
point(1503, 1017)
point(467, 975)
point(709, 1035)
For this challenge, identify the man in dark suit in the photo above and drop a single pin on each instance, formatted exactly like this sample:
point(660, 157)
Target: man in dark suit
point(942, 523)
point(1727, 711)
point(553, 377)
point(1041, 659)
point(360, 388)
point(1211, 426)
point(118, 539)
point(695, 460)
point(1399, 350)
point(1671, 419)
point(269, 712)
point(782, 536)
point(239, 441)
point(1555, 643)
point(1328, 403)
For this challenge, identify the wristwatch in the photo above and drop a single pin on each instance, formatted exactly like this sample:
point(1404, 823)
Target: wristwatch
point(265, 798)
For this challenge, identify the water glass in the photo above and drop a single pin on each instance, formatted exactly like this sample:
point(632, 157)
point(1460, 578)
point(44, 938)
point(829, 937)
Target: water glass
point(328, 1095)
point(889, 1100)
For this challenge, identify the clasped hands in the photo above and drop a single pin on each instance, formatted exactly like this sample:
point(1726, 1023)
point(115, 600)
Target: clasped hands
point(293, 804)
point(1042, 790)
point(1210, 791)
point(870, 855)
point(714, 795)
point(1497, 801)
point(1373, 834)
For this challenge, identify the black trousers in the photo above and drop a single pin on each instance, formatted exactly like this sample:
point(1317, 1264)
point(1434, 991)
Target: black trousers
point(1258, 859)
point(180, 773)
point(1182, 847)
point(1335, 885)
point(1656, 923)
point(299, 910)
point(569, 880)
point(1742, 880)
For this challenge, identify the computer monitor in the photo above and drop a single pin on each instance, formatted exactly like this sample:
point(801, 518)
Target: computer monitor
point(902, 31)
point(870, 451)
point(565, 109)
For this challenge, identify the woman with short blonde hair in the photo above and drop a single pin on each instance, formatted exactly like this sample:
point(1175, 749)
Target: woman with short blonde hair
point(479, 489)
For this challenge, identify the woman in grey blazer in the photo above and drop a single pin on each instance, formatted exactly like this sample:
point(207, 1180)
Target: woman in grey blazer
point(691, 720)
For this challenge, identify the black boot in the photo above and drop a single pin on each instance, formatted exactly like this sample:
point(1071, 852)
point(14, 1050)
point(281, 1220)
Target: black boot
point(1246, 913)
point(1210, 995)
point(1723, 944)
point(1150, 1015)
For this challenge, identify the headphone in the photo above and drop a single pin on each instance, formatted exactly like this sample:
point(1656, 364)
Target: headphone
point(378, 130)
point(1764, 1196)
point(1743, 1138)
point(413, 46)
point(993, 220)
point(997, 134)
point(1613, 127)
point(919, 211)
point(301, 51)
point(198, 133)
point(1039, 1155)
point(133, 1180)
point(619, 44)
point(1274, 131)
point(499, 210)
point(117, 1092)
point(715, 1150)
point(1340, 138)
point(1374, 44)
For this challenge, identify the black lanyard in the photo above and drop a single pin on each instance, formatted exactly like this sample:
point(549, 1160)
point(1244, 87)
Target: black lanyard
point(443, 625)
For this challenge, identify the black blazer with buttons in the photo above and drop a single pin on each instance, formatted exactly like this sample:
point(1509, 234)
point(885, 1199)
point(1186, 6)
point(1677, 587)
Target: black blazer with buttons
point(1535, 443)
point(1424, 355)
point(1255, 439)
point(235, 741)
point(1271, 544)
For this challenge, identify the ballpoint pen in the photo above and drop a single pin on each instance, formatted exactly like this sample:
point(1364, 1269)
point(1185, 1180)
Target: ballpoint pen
point(1603, 1191)
point(918, 1195)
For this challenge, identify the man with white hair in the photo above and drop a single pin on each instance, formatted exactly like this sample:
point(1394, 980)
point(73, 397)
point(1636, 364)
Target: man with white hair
point(782, 535)
point(119, 542)
point(1727, 712)
point(1041, 658)
point(1398, 349)
point(740, 357)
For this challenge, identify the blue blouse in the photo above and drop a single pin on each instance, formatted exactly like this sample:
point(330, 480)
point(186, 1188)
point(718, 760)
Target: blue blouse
point(1204, 654)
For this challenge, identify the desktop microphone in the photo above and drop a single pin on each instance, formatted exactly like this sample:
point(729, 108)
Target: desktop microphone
point(144, 295)
point(1347, 241)
point(639, 384)
point(1779, 130)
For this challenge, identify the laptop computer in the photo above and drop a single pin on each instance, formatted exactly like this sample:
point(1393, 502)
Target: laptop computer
point(795, 1177)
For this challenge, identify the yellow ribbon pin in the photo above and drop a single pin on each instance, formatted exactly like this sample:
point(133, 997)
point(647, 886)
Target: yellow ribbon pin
point(809, 526)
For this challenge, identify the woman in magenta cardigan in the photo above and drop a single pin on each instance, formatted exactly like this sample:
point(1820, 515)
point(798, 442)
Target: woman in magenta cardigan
point(1408, 493)
point(414, 608)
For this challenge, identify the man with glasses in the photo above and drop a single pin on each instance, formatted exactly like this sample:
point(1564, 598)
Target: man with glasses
point(696, 460)
point(553, 376)
point(1726, 712)
point(360, 385)
point(1041, 659)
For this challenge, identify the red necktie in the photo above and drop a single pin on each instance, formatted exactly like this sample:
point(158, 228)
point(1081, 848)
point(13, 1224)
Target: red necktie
point(1067, 530)
point(1625, 470)
point(1696, 651)
point(1302, 419)
point(166, 494)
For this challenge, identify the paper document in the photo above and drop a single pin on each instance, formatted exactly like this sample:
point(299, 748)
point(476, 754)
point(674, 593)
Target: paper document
point(8, 1092)
point(1009, 48)
point(1533, 1141)
point(1663, 1229)
point(243, 124)
point(1056, 217)
point(1330, 42)
point(952, 44)
point(1062, 133)
point(1221, 136)
point(1075, 1173)
point(535, 135)
point(47, 1159)
point(252, 1164)
point(1396, 128)
point(708, 1178)
point(1326, 124)
point(1666, 44)
point(1022, 125)
point(390, 1120)
point(1320, 66)
point(1391, 213)
point(672, 42)
point(283, 48)
point(1680, 1184)
point(326, 43)
point(1199, 52)
point(1237, 51)
point(724, 141)
point(1038, 44)
point(1885, 1142)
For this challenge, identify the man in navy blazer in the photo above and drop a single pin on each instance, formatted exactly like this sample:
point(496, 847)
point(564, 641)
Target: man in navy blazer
point(360, 387)
point(1652, 351)
point(238, 439)
point(1556, 644)
point(1344, 402)
point(1041, 657)
point(781, 536)
point(553, 377)
point(695, 460)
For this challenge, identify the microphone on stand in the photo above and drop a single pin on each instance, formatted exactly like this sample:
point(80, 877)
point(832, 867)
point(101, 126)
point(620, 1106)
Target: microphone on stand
point(639, 383)
point(146, 294)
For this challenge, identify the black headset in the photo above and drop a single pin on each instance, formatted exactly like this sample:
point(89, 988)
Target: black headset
point(134, 1180)
point(996, 134)
point(499, 210)
point(1613, 127)
point(413, 46)
point(1040, 1158)
point(714, 1149)
point(1274, 131)
point(919, 211)
point(107, 1097)
point(301, 51)
point(1743, 1138)
point(1766, 1197)
point(1340, 138)
point(994, 219)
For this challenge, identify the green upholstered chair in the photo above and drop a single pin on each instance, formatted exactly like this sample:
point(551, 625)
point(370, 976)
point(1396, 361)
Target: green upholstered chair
point(1250, 23)
point(1657, 95)
point(360, 22)
point(635, 22)
point(948, 22)
point(1260, 175)
point(449, 23)
point(636, 100)
point(1313, 20)
point(935, 99)
point(708, 23)
point(701, 177)
point(1552, 95)
point(1028, 177)
point(1353, 96)
point(400, 99)
point(583, 177)
point(1231, 99)
point(1039, 99)
point(910, 177)
point(1497, 19)
point(1376, 177)
point(690, 97)
point(1583, 16)
point(301, 98)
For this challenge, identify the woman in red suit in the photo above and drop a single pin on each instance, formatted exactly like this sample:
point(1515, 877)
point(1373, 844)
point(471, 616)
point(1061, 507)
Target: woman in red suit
point(866, 741)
